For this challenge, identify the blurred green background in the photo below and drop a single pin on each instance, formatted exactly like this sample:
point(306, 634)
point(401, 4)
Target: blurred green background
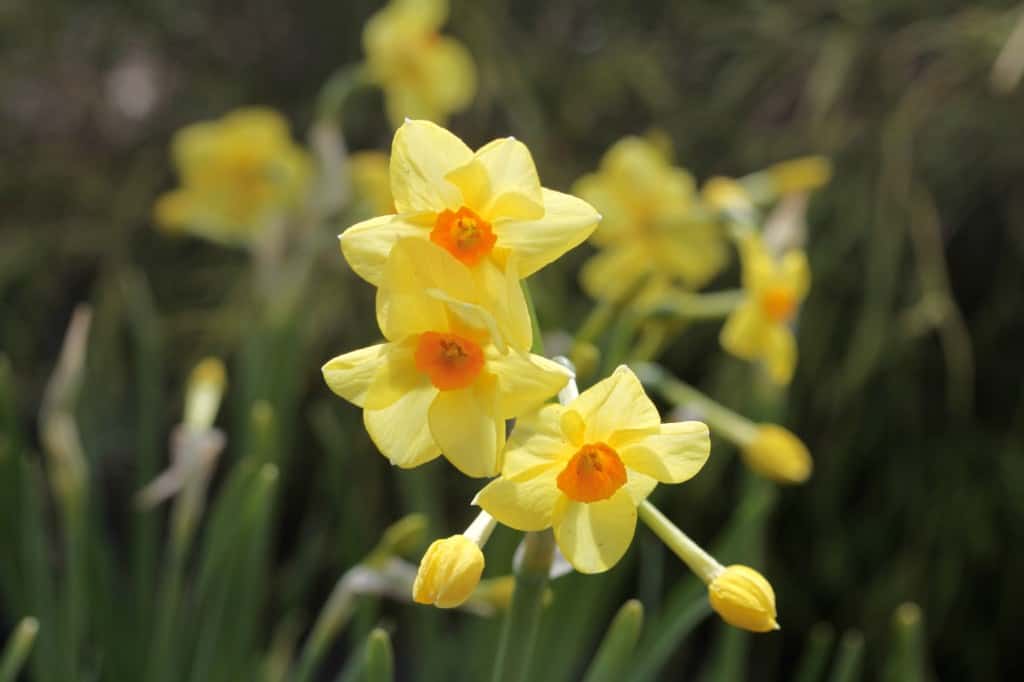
point(908, 389)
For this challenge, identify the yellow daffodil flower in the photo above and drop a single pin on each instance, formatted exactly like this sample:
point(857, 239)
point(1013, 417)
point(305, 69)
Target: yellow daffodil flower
point(760, 327)
point(652, 225)
point(804, 174)
point(744, 599)
point(371, 183)
point(487, 209)
point(423, 74)
point(583, 468)
point(238, 175)
point(445, 380)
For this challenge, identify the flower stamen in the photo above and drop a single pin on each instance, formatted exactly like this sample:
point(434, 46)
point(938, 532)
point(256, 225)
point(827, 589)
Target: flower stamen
point(463, 234)
point(451, 361)
point(594, 473)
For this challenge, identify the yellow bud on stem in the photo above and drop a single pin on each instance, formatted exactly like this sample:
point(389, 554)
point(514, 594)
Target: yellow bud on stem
point(744, 599)
point(449, 572)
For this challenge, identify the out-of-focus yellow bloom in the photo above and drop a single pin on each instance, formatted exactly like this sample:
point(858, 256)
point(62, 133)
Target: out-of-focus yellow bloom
point(423, 74)
point(449, 572)
point(800, 175)
point(583, 468)
point(371, 183)
point(238, 175)
point(652, 226)
point(759, 328)
point(486, 209)
point(727, 195)
point(744, 599)
point(776, 453)
point(445, 381)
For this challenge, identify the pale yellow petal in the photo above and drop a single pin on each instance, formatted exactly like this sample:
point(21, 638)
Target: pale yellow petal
point(401, 432)
point(615, 271)
point(796, 273)
point(366, 245)
point(422, 154)
point(566, 223)
point(450, 74)
point(415, 269)
point(617, 403)
point(536, 443)
point(470, 434)
point(673, 455)
point(525, 381)
point(526, 504)
point(351, 375)
point(503, 294)
point(619, 219)
point(639, 486)
point(514, 188)
point(744, 331)
point(780, 353)
point(759, 269)
point(396, 376)
point(594, 536)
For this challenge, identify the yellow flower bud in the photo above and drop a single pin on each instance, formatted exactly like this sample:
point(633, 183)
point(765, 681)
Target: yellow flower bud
point(777, 454)
point(449, 572)
point(744, 599)
point(801, 175)
point(203, 394)
point(725, 194)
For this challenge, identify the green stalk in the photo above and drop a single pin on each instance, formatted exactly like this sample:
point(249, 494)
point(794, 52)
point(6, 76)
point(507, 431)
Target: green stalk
point(617, 647)
point(17, 649)
point(519, 634)
point(380, 657)
point(849, 661)
point(906, 659)
point(690, 306)
point(815, 657)
point(335, 613)
point(700, 562)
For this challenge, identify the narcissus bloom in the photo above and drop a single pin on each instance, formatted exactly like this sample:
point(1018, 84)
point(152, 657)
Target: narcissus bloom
point(423, 74)
point(445, 380)
point(760, 328)
point(583, 468)
point(238, 175)
point(487, 209)
point(744, 599)
point(653, 225)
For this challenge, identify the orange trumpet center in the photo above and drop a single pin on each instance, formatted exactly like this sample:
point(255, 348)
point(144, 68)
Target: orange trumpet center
point(594, 473)
point(463, 234)
point(451, 361)
point(778, 303)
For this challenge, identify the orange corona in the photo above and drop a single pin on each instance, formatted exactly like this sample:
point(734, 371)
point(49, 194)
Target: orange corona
point(778, 303)
point(451, 361)
point(463, 234)
point(594, 473)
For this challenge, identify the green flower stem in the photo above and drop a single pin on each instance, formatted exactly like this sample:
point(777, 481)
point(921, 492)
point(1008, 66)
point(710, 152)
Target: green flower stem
point(699, 561)
point(690, 306)
point(906, 656)
point(380, 657)
point(523, 619)
point(849, 660)
point(18, 647)
point(734, 427)
point(335, 613)
point(596, 322)
point(616, 650)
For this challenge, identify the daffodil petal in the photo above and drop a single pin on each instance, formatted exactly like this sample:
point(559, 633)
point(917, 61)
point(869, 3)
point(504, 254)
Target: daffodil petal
point(504, 293)
point(639, 486)
point(594, 536)
point(422, 154)
point(450, 74)
point(396, 376)
point(796, 272)
point(759, 269)
point(366, 245)
point(673, 455)
point(744, 330)
point(400, 431)
point(780, 353)
point(351, 375)
point(566, 223)
point(617, 403)
point(536, 443)
point(514, 188)
point(470, 434)
point(523, 504)
point(525, 381)
point(420, 281)
point(615, 271)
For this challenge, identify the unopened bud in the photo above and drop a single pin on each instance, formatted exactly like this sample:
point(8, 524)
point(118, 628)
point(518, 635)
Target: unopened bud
point(448, 572)
point(776, 453)
point(744, 599)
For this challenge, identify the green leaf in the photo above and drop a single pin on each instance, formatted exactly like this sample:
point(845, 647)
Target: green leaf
point(616, 650)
